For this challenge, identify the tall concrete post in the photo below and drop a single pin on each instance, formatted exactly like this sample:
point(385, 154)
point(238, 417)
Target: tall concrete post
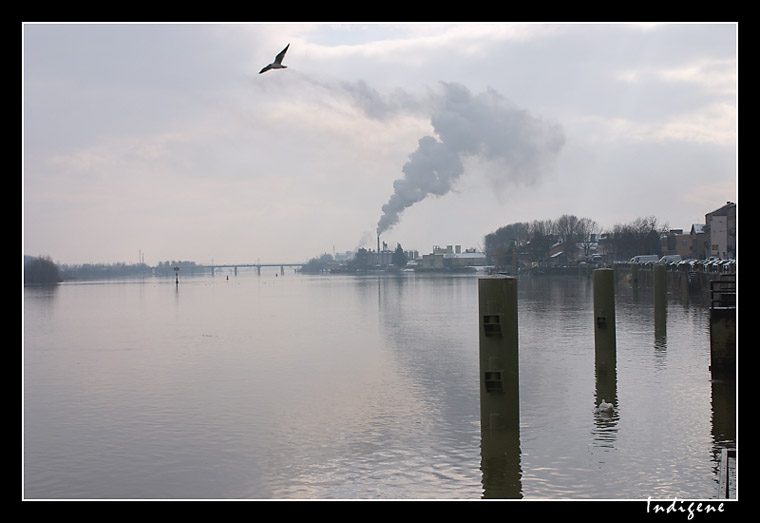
point(499, 388)
point(605, 337)
point(604, 320)
point(659, 277)
point(499, 362)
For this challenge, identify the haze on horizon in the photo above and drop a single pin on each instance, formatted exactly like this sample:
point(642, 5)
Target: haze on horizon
point(164, 139)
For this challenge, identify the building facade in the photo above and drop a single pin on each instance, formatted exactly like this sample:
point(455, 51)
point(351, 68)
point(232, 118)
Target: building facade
point(721, 228)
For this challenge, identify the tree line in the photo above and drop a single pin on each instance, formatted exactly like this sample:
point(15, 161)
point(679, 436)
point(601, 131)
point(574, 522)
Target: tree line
point(41, 270)
point(577, 236)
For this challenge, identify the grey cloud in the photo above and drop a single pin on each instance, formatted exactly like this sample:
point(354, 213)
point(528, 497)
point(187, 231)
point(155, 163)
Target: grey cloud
point(379, 106)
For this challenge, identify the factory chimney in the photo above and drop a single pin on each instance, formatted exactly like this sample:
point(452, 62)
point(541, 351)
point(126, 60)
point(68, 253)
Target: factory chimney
point(378, 243)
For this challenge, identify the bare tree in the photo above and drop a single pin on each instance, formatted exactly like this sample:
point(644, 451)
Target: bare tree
point(541, 236)
point(641, 236)
point(588, 229)
point(567, 231)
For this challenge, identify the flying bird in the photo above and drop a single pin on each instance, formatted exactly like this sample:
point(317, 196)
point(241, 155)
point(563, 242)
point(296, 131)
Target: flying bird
point(277, 64)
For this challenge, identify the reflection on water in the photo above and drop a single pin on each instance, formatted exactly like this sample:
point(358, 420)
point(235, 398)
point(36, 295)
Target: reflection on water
point(295, 386)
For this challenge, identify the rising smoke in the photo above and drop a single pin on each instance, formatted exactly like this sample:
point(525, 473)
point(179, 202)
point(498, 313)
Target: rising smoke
point(486, 126)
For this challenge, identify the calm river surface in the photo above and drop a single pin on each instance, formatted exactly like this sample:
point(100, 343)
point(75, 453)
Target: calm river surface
point(357, 387)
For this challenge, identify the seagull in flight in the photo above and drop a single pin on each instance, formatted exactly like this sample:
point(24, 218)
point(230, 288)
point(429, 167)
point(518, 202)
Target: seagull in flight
point(277, 64)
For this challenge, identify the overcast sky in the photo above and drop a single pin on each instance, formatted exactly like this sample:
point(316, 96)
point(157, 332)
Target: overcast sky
point(166, 140)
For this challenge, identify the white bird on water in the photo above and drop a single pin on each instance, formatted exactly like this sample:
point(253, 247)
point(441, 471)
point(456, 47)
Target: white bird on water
point(277, 64)
point(605, 407)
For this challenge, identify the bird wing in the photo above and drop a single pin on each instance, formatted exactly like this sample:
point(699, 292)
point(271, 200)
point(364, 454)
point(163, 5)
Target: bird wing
point(280, 56)
point(265, 69)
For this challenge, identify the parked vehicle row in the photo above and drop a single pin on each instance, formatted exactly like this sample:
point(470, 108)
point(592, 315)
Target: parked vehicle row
point(645, 259)
point(711, 264)
point(675, 261)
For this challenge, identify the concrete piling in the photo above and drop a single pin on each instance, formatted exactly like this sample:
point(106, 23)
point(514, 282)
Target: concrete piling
point(605, 337)
point(499, 362)
point(660, 283)
point(604, 312)
point(723, 344)
point(659, 276)
point(499, 388)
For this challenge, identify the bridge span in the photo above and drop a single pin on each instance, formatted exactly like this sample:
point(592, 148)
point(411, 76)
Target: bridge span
point(258, 266)
point(192, 269)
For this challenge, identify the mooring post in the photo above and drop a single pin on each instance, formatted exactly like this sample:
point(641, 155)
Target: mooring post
point(499, 362)
point(660, 305)
point(660, 287)
point(723, 327)
point(499, 388)
point(604, 317)
point(604, 309)
point(605, 337)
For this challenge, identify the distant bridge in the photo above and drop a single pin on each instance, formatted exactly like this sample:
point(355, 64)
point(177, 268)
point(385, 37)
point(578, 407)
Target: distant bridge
point(258, 266)
point(203, 268)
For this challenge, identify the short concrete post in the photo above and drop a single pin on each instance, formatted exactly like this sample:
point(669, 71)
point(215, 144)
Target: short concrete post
point(499, 362)
point(723, 327)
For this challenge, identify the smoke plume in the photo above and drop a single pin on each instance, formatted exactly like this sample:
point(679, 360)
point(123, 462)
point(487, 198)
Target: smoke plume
point(485, 126)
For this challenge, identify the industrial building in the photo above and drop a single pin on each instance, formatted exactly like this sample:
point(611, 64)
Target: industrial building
point(453, 258)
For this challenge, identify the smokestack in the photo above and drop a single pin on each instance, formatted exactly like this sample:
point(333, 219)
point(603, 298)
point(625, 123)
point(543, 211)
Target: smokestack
point(378, 243)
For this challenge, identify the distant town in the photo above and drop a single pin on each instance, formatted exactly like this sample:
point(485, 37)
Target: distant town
point(564, 242)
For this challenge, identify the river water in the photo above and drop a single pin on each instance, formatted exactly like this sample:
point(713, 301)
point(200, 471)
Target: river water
point(293, 386)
